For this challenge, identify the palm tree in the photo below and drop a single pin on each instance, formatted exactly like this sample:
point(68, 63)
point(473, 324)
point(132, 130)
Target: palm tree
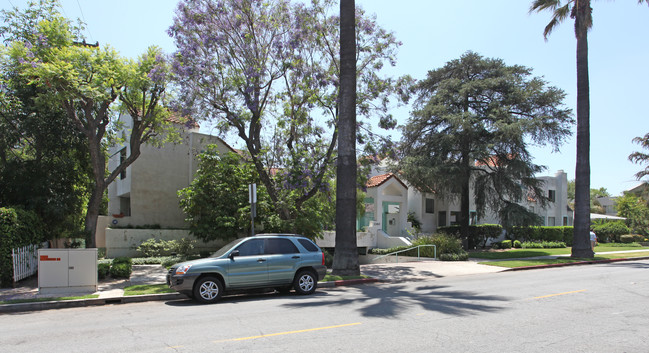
point(581, 12)
point(641, 158)
point(346, 255)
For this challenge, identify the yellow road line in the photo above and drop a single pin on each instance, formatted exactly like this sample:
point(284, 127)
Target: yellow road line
point(286, 333)
point(554, 295)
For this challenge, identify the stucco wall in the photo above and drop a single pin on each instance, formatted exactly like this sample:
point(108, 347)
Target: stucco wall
point(123, 242)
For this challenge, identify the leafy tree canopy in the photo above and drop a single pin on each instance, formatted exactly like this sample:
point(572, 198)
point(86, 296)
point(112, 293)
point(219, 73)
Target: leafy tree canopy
point(472, 123)
point(44, 161)
point(268, 71)
point(636, 212)
point(217, 204)
point(85, 80)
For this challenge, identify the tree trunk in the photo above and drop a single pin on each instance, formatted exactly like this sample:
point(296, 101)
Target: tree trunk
point(98, 161)
point(581, 239)
point(346, 253)
point(92, 214)
point(465, 199)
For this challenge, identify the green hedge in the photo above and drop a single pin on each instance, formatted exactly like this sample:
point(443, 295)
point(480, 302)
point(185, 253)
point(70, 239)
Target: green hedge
point(539, 234)
point(479, 235)
point(18, 228)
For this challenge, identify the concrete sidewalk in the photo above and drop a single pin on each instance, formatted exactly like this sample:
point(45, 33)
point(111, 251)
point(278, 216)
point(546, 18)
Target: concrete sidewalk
point(111, 291)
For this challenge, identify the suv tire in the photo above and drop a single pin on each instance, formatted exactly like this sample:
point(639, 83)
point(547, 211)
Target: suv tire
point(305, 282)
point(208, 290)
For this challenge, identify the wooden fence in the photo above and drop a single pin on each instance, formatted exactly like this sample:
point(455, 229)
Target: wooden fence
point(25, 260)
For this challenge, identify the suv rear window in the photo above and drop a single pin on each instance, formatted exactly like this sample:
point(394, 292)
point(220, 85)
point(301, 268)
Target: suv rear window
point(308, 245)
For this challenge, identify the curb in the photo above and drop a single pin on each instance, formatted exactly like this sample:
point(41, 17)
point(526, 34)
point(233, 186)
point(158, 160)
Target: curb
point(347, 282)
point(77, 303)
point(536, 267)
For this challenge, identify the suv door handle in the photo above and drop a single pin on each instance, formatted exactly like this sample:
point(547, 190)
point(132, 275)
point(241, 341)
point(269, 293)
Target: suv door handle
point(296, 257)
point(261, 260)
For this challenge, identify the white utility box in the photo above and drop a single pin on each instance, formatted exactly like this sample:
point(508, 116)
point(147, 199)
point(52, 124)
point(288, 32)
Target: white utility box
point(67, 270)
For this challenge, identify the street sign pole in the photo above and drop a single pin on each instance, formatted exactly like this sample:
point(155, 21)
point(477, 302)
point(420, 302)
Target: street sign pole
point(252, 196)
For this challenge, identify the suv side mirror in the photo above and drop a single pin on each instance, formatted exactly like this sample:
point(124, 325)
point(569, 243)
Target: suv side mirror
point(233, 254)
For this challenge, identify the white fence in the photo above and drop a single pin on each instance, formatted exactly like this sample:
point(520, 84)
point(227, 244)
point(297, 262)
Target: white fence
point(26, 260)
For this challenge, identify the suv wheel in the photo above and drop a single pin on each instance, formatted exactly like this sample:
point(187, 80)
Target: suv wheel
point(208, 290)
point(305, 282)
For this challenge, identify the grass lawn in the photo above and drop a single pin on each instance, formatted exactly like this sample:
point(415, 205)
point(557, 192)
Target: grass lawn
point(536, 262)
point(522, 253)
point(36, 300)
point(330, 278)
point(142, 289)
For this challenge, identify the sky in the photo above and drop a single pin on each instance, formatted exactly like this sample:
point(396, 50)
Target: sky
point(435, 32)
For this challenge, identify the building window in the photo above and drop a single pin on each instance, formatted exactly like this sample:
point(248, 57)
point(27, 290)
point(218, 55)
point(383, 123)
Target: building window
point(441, 219)
point(473, 218)
point(125, 206)
point(455, 218)
point(552, 195)
point(551, 222)
point(565, 221)
point(430, 205)
point(122, 158)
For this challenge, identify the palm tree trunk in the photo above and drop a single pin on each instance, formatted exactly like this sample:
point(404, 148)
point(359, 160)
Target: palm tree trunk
point(346, 254)
point(581, 239)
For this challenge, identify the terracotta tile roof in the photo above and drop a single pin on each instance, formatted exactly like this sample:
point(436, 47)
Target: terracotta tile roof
point(379, 180)
point(180, 120)
point(493, 161)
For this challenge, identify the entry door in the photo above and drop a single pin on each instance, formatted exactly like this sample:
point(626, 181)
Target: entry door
point(391, 219)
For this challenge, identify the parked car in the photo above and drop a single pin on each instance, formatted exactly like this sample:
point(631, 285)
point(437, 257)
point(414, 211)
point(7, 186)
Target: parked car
point(280, 261)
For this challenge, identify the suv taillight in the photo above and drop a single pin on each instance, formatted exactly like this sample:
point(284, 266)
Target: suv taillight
point(323, 262)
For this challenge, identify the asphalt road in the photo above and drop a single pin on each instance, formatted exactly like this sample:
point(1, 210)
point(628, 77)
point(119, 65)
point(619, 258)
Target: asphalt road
point(591, 308)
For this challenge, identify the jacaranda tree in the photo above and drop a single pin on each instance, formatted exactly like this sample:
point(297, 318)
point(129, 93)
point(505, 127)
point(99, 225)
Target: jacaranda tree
point(85, 80)
point(269, 72)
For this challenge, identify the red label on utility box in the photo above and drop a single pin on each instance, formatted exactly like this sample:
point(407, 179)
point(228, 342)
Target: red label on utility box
point(47, 258)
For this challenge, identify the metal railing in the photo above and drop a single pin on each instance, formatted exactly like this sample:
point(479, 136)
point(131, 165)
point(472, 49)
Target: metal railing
point(404, 250)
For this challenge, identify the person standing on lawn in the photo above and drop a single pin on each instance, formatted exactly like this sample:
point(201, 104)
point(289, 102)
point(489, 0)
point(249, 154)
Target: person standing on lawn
point(593, 239)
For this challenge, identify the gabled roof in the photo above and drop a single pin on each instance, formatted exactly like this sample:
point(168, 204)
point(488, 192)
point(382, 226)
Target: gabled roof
point(379, 180)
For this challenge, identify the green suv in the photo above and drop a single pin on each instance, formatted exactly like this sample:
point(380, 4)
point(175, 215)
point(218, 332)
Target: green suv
point(280, 261)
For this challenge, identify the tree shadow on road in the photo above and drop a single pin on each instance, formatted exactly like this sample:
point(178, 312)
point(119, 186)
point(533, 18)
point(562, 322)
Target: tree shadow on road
point(398, 273)
point(388, 301)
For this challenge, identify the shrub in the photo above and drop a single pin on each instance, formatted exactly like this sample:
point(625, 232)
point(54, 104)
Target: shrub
point(479, 235)
point(122, 260)
point(532, 245)
point(553, 244)
point(18, 228)
point(631, 238)
point(121, 270)
point(619, 245)
point(154, 248)
point(171, 260)
point(544, 245)
point(463, 256)
point(610, 231)
point(517, 244)
point(506, 244)
point(183, 247)
point(329, 260)
point(103, 269)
